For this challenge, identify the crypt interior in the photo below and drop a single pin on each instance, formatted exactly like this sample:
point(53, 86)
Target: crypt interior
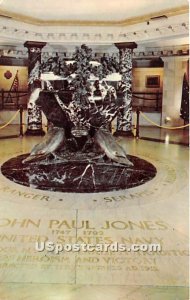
point(94, 148)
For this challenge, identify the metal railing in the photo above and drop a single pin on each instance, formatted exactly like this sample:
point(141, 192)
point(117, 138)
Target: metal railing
point(151, 122)
point(13, 99)
point(147, 101)
point(20, 111)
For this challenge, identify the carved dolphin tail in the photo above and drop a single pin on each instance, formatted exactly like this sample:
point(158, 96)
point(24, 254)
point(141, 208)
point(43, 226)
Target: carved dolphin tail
point(33, 97)
point(110, 147)
point(52, 141)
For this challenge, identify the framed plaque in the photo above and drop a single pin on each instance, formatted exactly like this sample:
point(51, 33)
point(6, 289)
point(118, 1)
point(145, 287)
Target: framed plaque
point(153, 81)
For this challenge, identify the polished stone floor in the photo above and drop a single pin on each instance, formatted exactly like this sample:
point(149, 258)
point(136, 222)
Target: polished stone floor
point(178, 136)
point(155, 212)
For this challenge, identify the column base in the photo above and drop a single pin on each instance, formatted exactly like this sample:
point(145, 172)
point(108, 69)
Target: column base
point(33, 132)
point(128, 133)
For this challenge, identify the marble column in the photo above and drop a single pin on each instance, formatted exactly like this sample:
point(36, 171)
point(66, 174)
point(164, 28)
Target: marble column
point(174, 69)
point(34, 122)
point(124, 120)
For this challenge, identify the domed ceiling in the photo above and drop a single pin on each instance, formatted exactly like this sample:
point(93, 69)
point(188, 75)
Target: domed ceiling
point(95, 22)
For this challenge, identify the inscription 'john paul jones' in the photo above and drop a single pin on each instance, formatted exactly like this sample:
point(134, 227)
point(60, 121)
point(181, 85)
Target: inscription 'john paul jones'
point(84, 224)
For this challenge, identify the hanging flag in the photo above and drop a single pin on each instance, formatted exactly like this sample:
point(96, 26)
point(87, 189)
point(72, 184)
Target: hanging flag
point(184, 111)
point(14, 88)
point(15, 83)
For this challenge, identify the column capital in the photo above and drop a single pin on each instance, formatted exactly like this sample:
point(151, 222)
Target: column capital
point(124, 45)
point(33, 44)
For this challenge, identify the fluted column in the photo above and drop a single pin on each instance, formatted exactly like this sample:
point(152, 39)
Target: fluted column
point(174, 69)
point(34, 122)
point(124, 120)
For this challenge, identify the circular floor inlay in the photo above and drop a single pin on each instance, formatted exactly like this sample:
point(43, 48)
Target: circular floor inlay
point(80, 176)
